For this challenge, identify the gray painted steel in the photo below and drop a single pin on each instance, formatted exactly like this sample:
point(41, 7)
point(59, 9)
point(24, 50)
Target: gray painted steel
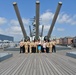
point(42, 30)
point(54, 19)
point(30, 31)
point(4, 56)
point(37, 19)
point(19, 19)
point(71, 54)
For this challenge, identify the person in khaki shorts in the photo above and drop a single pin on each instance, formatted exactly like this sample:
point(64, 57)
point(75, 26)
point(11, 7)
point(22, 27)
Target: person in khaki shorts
point(53, 46)
point(28, 43)
point(26, 46)
point(50, 46)
point(31, 46)
point(21, 46)
point(34, 46)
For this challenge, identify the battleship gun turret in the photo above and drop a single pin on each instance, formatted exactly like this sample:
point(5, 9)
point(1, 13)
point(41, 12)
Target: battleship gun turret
point(20, 21)
point(53, 22)
point(36, 21)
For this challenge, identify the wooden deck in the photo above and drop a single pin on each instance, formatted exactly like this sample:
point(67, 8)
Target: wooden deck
point(38, 64)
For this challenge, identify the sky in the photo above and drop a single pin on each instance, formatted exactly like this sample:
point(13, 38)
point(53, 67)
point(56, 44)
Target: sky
point(65, 25)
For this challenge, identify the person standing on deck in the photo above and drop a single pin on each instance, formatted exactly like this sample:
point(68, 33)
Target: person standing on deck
point(34, 46)
point(50, 47)
point(28, 42)
point(47, 46)
point(53, 46)
point(39, 46)
point(36, 43)
point(26, 46)
point(21, 46)
point(31, 46)
point(44, 46)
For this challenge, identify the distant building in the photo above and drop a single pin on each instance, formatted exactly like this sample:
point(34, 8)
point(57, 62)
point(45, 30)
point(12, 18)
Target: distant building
point(74, 41)
point(61, 41)
point(57, 41)
point(5, 37)
point(65, 40)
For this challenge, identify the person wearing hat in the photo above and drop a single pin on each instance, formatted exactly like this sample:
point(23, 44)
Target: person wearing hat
point(31, 46)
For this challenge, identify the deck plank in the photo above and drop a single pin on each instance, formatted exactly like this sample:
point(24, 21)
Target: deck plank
point(38, 64)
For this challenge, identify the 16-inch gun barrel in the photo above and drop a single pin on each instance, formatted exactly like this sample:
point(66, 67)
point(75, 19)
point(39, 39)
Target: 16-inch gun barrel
point(19, 19)
point(37, 19)
point(54, 20)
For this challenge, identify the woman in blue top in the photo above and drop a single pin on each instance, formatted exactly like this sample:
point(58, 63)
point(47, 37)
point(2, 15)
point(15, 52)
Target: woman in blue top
point(39, 46)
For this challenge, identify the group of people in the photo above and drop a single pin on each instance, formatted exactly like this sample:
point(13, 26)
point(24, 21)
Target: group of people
point(37, 46)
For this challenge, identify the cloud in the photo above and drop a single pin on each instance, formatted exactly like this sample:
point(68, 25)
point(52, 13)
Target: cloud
point(60, 29)
point(46, 27)
point(14, 31)
point(14, 22)
point(25, 21)
point(65, 18)
point(3, 20)
point(1, 31)
point(14, 28)
point(46, 17)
